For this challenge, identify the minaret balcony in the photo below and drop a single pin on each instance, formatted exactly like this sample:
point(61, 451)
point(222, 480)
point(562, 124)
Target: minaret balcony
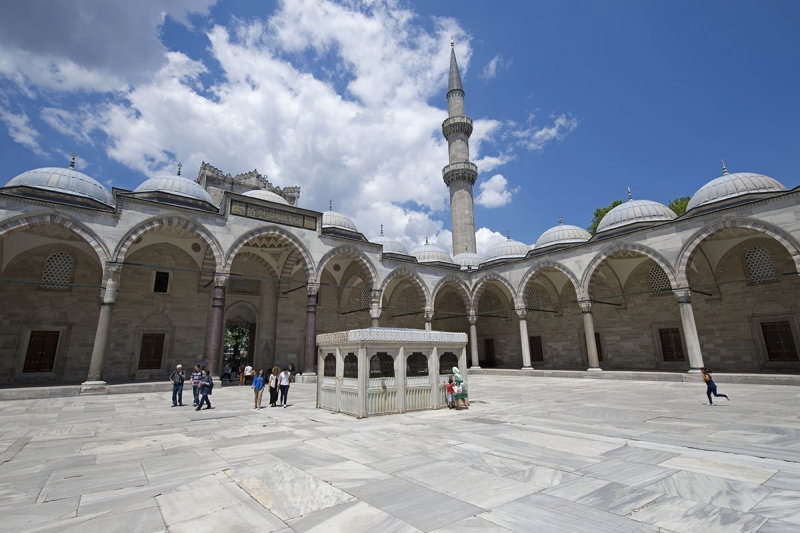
point(465, 170)
point(457, 124)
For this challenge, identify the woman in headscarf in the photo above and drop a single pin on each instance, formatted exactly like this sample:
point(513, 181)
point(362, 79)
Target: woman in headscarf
point(462, 386)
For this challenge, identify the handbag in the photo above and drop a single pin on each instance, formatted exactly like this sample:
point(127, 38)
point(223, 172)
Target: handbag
point(457, 389)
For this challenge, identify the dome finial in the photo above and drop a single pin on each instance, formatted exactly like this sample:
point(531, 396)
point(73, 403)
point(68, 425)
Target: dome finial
point(179, 168)
point(330, 205)
point(381, 230)
point(426, 239)
point(559, 219)
point(508, 235)
point(724, 168)
point(630, 196)
point(72, 162)
point(452, 43)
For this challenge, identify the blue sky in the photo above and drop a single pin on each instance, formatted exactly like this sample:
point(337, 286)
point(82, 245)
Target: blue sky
point(573, 101)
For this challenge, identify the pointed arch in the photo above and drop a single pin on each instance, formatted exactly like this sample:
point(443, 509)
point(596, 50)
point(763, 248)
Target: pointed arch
point(357, 254)
point(172, 220)
point(413, 276)
point(23, 222)
point(784, 238)
point(308, 262)
point(450, 279)
point(609, 251)
point(484, 281)
point(538, 267)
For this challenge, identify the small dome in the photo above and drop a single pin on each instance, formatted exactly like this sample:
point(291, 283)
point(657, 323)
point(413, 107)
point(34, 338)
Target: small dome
point(467, 260)
point(175, 185)
point(508, 249)
point(64, 180)
point(269, 196)
point(390, 246)
point(731, 186)
point(562, 234)
point(633, 212)
point(332, 219)
point(429, 253)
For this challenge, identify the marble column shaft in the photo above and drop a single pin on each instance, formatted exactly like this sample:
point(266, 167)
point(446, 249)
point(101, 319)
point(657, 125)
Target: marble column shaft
point(108, 299)
point(690, 336)
point(473, 341)
point(523, 337)
point(311, 328)
point(588, 332)
point(216, 325)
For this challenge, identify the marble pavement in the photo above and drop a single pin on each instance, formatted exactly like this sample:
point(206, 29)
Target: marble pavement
point(532, 454)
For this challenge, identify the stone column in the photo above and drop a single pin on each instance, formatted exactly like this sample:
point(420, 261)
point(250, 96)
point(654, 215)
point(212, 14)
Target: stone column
point(433, 374)
point(523, 337)
point(473, 340)
point(428, 320)
point(363, 381)
point(108, 296)
point(311, 328)
point(588, 332)
point(216, 325)
point(684, 297)
point(375, 307)
point(400, 365)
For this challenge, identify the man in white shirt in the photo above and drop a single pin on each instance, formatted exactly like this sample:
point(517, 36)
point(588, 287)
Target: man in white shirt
point(247, 371)
point(283, 380)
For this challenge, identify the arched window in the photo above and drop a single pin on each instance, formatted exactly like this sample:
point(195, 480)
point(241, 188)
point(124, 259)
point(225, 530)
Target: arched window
point(446, 363)
point(381, 365)
point(531, 298)
point(659, 282)
point(417, 365)
point(330, 365)
point(759, 265)
point(351, 366)
point(57, 271)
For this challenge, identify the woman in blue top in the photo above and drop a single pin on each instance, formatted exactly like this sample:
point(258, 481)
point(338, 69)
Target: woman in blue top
point(258, 388)
point(711, 387)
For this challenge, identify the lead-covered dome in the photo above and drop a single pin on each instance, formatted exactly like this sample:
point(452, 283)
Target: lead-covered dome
point(63, 180)
point(175, 185)
point(634, 212)
point(428, 253)
point(269, 196)
point(332, 219)
point(390, 246)
point(468, 260)
point(508, 249)
point(562, 234)
point(733, 185)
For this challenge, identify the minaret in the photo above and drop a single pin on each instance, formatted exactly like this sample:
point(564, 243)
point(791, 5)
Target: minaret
point(460, 174)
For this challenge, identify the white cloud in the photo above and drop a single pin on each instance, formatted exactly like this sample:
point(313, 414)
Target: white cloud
point(490, 69)
point(486, 239)
point(495, 192)
point(535, 138)
point(20, 130)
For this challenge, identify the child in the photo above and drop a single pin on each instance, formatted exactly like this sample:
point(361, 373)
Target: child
point(451, 403)
point(711, 387)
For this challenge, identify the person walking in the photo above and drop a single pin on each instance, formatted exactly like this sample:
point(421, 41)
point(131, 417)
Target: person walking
point(248, 374)
point(711, 387)
point(206, 387)
point(226, 372)
point(460, 388)
point(177, 378)
point(258, 388)
point(197, 375)
point(284, 380)
point(273, 385)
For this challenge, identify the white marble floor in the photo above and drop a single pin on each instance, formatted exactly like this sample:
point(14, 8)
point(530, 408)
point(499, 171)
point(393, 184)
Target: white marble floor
point(532, 454)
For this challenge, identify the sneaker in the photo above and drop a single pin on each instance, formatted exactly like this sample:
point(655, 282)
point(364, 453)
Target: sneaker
point(197, 409)
point(174, 405)
point(728, 398)
point(285, 406)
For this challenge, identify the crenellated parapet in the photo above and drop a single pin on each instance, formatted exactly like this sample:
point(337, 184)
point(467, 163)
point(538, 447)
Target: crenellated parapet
point(216, 182)
point(457, 124)
point(464, 170)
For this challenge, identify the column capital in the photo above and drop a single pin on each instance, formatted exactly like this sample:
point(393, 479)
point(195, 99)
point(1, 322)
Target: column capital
point(521, 312)
point(472, 318)
point(684, 296)
point(375, 294)
point(221, 279)
point(111, 273)
point(112, 269)
point(428, 316)
point(586, 306)
point(312, 288)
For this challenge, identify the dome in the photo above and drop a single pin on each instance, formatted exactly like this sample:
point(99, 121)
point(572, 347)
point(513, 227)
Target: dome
point(429, 253)
point(731, 186)
point(468, 260)
point(508, 249)
point(175, 185)
point(562, 234)
point(633, 212)
point(332, 219)
point(269, 196)
point(390, 246)
point(64, 180)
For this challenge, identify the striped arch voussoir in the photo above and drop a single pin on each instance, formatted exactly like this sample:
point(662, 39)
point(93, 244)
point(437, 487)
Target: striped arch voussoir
point(462, 290)
point(482, 283)
point(539, 267)
point(136, 232)
point(308, 262)
point(357, 254)
point(606, 253)
point(24, 223)
point(405, 272)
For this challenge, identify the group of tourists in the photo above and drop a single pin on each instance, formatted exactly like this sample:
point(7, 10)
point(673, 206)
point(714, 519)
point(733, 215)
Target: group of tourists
point(202, 386)
point(277, 383)
point(456, 390)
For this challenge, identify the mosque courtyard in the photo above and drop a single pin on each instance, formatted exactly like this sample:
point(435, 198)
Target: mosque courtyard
point(532, 454)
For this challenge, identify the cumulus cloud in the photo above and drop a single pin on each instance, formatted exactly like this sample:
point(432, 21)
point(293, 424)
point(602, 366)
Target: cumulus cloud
point(20, 130)
point(486, 239)
point(495, 192)
point(490, 69)
point(536, 137)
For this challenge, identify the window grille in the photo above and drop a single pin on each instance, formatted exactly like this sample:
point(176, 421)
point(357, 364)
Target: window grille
point(531, 299)
point(659, 282)
point(417, 365)
point(366, 298)
point(57, 271)
point(411, 300)
point(330, 365)
point(381, 365)
point(446, 363)
point(759, 265)
point(351, 366)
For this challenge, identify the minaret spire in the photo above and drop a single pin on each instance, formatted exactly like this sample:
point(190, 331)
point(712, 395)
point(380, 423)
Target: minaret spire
point(724, 168)
point(461, 173)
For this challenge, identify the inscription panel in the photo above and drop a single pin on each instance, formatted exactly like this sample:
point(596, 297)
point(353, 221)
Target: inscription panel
point(270, 214)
